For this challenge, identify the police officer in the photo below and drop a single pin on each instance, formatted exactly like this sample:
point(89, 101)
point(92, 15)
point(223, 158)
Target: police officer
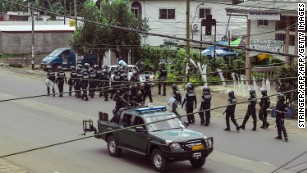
point(190, 99)
point(98, 79)
point(230, 111)
point(141, 66)
point(50, 80)
point(135, 96)
point(61, 77)
point(280, 110)
point(118, 100)
point(134, 77)
point(77, 81)
point(92, 82)
point(205, 105)
point(115, 82)
point(162, 79)
point(84, 84)
point(264, 105)
point(147, 91)
point(177, 96)
point(251, 110)
point(73, 76)
point(105, 83)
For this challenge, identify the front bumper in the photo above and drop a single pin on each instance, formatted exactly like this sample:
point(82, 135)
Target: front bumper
point(187, 155)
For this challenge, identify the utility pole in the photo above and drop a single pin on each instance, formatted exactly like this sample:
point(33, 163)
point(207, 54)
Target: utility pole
point(64, 12)
point(188, 38)
point(33, 52)
point(75, 5)
point(247, 58)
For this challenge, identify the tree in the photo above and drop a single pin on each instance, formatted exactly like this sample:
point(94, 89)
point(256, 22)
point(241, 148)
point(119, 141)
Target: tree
point(92, 37)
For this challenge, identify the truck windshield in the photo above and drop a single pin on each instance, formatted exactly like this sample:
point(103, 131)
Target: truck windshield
point(56, 52)
point(168, 124)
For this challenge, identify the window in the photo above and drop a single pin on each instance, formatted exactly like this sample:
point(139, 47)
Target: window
point(281, 24)
point(126, 122)
point(203, 12)
point(262, 22)
point(136, 9)
point(167, 14)
point(282, 37)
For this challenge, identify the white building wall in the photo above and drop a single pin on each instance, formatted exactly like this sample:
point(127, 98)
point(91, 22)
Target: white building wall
point(177, 27)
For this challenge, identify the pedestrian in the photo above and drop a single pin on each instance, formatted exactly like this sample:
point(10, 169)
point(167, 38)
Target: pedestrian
point(264, 105)
point(84, 84)
point(251, 110)
point(50, 80)
point(205, 106)
point(190, 99)
point(73, 76)
point(280, 110)
point(77, 81)
point(177, 96)
point(162, 78)
point(92, 82)
point(61, 77)
point(106, 83)
point(147, 91)
point(230, 111)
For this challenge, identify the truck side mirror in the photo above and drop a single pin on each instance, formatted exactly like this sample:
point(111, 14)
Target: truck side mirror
point(140, 129)
point(103, 116)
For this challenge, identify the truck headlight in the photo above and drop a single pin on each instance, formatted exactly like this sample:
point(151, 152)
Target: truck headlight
point(175, 146)
point(208, 142)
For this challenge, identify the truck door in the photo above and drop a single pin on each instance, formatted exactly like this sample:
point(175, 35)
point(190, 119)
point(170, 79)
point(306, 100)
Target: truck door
point(124, 136)
point(138, 140)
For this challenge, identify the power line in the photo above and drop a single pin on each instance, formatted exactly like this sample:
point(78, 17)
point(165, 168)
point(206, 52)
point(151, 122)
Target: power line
point(162, 35)
point(130, 127)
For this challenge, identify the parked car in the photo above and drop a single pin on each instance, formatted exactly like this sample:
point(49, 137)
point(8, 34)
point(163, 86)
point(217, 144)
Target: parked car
point(111, 69)
point(65, 57)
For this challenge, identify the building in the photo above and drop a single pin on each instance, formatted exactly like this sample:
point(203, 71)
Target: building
point(273, 24)
point(168, 17)
point(16, 37)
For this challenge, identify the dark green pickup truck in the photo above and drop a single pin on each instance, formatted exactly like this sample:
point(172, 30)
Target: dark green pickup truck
point(153, 132)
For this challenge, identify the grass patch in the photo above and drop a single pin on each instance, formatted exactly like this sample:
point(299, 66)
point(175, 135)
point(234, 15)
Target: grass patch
point(6, 56)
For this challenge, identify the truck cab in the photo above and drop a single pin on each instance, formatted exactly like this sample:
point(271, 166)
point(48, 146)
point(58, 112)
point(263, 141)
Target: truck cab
point(65, 57)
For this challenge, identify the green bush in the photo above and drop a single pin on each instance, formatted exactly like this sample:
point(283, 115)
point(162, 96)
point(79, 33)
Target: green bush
point(214, 80)
point(258, 75)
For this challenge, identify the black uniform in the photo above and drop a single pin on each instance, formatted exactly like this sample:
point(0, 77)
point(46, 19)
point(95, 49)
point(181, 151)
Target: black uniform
point(230, 112)
point(105, 84)
point(162, 79)
point(251, 111)
point(51, 77)
point(119, 103)
point(92, 84)
point(147, 92)
point(264, 105)
point(84, 84)
point(280, 119)
point(61, 77)
point(204, 105)
point(115, 85)
point(177, 96)
point(77, 83)
point(135, 96)
point(99, 82)
point(190, 99)
point(73, 76)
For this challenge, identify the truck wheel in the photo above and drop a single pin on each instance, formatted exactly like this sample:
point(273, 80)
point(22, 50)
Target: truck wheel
point(197, 163)
point(158, 161)
point(113, 147)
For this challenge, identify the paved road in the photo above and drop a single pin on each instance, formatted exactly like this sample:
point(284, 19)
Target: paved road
point(36, 122)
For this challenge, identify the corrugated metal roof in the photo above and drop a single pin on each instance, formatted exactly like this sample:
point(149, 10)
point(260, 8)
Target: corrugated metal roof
point(272, 6)
point(23, 28)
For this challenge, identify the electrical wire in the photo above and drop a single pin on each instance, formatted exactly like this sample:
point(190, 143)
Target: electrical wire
point(274, 171)
point(130, 127)
point(162, 35)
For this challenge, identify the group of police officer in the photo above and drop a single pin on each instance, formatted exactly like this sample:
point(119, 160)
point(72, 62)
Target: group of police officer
point(133, 93)
point(204, 110)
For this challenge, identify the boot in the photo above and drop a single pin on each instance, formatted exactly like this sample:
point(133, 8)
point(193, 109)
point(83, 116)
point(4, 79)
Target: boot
point(48, 91)
point(263, 125)
point(267, 125)
point(242, 127)
point(227, 129)
point(255, 126)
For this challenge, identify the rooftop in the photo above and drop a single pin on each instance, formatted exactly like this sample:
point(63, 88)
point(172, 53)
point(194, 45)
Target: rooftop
point(26, 28)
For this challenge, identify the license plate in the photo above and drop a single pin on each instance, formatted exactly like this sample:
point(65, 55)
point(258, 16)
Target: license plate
point(197, 147)
point(196, 155)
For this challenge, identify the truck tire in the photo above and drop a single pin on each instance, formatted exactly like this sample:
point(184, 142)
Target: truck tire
point(158, 161)
point(113, 147)
point(198, 163)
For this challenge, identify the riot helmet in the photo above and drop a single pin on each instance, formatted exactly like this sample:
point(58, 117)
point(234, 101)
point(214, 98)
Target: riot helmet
point(174, 86)
point(60, 68)
point(252, 92)
point(72, 67)
point(281, 97)
point(264, 92)
point(206, 90)
point(231, 93)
